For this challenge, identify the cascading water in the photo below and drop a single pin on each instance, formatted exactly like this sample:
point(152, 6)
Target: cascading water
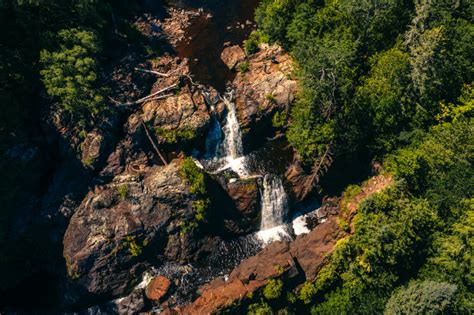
point(227, 154)
point(233, 148)
point(274, 210)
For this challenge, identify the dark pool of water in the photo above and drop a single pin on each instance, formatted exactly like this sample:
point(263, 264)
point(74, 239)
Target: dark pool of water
point(208, 37)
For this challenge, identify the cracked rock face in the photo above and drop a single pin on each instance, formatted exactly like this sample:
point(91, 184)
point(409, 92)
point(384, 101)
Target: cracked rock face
point(121, 224)
point(266, 88)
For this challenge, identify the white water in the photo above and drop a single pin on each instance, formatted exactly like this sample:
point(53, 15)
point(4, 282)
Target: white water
point(228, 153)
point(233, 137)
point(274, 210)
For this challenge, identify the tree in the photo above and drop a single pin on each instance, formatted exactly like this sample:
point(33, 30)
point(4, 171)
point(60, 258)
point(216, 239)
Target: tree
point(427, 297)
point(70, 72)
point(382, 103)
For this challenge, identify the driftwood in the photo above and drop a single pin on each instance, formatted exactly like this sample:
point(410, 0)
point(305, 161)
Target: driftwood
point(153, 143)
point(148, 97)
point(161, 74)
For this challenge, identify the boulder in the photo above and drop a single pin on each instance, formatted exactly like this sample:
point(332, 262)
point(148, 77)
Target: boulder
point(232, 55)
point(157, 288)
point(120, 224)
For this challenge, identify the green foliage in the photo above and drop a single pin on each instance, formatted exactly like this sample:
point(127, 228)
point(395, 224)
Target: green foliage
point(279, 119)
point(174, 135)
point(193, 176)
point(259, 309)
point(251, 44)
point(381, 98)
point(123, 191)
point(273, 289)
point(244, 66)
point(343, 224)
point(70, 72)
point(427, 297)
point(197, 182)
point(367, 75)
point(130, 242)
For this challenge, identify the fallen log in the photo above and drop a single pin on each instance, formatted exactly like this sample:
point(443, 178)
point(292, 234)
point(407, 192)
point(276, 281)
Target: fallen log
point(153, 143)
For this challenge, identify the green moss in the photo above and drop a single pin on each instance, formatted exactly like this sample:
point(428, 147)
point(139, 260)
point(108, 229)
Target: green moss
point(174, 136)
point(193, 176)
point(273, 289)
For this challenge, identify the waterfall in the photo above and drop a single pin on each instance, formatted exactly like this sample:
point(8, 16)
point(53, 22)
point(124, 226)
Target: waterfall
point(227, 153)
point(274, 210)
point(233, 148)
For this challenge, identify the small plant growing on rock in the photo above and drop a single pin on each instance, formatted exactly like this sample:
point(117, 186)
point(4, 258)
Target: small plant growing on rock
point(244, 66)
point(270, 98)
point(197, 182)
point(193, 176)
point(132, 245)
point(279, 269)
point(123, 191)
point(273, 289)
point(174, 136)
point(278, 120)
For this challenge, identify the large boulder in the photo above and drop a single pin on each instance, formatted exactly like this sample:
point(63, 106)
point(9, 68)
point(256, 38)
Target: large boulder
point(232, 55)
point(120, 224)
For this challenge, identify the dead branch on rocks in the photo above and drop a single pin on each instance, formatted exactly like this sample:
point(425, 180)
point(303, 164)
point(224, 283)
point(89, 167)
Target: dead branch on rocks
point(153, 143)
point(148, 97)
point(161, 74)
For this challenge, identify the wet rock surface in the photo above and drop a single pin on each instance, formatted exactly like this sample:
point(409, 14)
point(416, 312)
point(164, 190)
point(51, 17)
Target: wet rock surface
point(292, 261)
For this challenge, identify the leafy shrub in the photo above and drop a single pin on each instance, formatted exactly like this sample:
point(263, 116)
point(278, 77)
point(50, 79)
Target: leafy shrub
point(244, 66)
point(273, 289)
point(259, 309)
point(279, 119)
point(427, 297)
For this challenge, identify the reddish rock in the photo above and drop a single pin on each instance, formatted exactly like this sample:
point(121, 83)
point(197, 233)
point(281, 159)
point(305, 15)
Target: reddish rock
point(232, 55)
point(157, 288)
point(297, 261)
point(266, 87)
